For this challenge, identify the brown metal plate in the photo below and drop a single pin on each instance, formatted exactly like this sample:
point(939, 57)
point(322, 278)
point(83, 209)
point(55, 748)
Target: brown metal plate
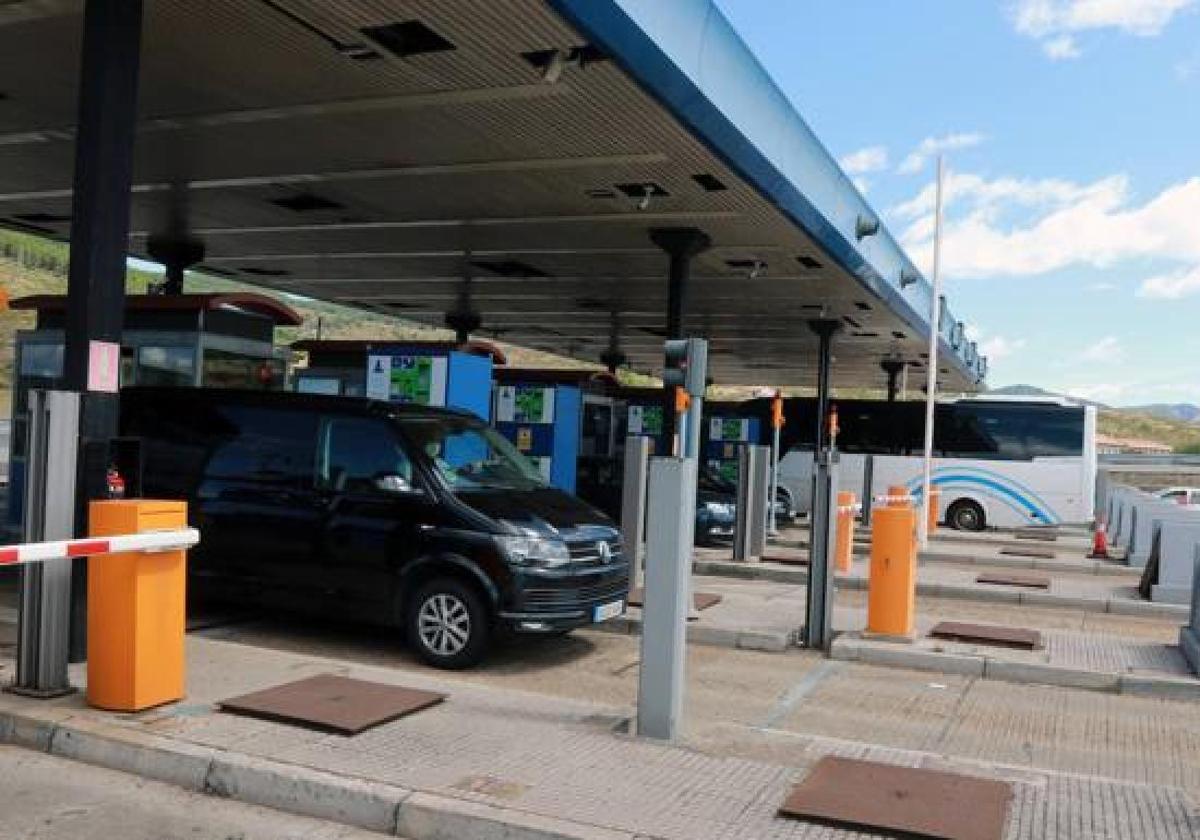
point(927, 803)
point(1015, 579)
point(700, 600)
point(988, 634)
point(786, 560)
point(332, 703)
point(1042, 536)
point(1028, 552)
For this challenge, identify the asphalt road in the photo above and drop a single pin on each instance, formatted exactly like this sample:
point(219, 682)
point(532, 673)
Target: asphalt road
point(47, 798)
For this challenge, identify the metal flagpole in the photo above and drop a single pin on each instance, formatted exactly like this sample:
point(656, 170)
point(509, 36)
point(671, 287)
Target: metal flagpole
point(935, 313)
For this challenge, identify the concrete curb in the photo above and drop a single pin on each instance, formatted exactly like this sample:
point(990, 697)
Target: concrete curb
point(851, 647)
point(293, 789)
point(798, 576)
point(767, 641)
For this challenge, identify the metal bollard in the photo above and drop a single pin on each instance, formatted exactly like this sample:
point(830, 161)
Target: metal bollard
point(892, 587)
point(844, 550)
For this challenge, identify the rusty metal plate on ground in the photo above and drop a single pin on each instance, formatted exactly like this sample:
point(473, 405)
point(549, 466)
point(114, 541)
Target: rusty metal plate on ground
point(988, 634)
point(701, 600)
point(1028, 552)
point(1016, 579)
point(925, 803)
point(1043, 536)
point(785, 560)
point(332, 703)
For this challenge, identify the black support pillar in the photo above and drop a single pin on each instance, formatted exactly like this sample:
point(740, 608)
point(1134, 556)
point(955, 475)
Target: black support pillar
point(177, 256)
point(681, 246)
point(893, 368)
point(108, 91)
point(818, 623)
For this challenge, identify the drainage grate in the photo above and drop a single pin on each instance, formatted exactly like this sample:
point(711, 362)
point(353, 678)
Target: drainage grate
point(1015, 579)
point(1019, 638)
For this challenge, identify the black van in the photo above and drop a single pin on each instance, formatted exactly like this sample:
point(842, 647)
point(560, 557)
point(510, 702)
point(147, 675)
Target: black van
point(406, 516)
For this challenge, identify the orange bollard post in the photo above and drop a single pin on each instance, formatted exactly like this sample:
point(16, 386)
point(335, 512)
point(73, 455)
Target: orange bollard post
point(136, 610)
point(935, 501)
point(844, 550)
point(892, 587)
point(898, 496)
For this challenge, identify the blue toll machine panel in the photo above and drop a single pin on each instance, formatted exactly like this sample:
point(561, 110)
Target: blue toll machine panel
point(431, 376)
point(644, 417)
point(543, 422)
point(724, 436)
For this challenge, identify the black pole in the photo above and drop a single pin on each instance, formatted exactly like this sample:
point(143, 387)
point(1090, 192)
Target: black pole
point(681, 245)
point(825, 330)
point(818, 609)
point(892, 367)
point(177, 256)
point(108, 91)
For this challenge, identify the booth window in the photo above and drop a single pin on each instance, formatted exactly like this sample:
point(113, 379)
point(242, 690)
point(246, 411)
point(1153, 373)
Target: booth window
point(224, 369)
point(42, 361)
point(166, 366)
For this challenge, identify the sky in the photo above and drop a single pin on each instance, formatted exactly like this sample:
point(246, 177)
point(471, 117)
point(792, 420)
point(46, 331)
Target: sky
point(1071, 136)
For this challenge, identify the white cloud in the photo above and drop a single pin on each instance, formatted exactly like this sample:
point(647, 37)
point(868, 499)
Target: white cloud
point(1102, 286)
point(931, 146)
point(998, 347)
point(1061, 48)
point(1013, 228)
point(1171, 286)
point(1106, 350)
point(870, 159)
point(1100, 392)
point(1053, 22)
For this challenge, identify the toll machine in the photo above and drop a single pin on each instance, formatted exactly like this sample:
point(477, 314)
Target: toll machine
point(727, 426)
point(437, 373)
point(206, 340)
point(563, 420)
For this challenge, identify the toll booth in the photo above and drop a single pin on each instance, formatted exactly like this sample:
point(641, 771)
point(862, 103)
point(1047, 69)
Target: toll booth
point(208, 340)
point(563, 420)
point(435, 373)
point(728, 426)
point(642, 415)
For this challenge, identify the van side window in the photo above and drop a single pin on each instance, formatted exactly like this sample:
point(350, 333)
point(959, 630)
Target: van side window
point(264, 444)
point(355, 451)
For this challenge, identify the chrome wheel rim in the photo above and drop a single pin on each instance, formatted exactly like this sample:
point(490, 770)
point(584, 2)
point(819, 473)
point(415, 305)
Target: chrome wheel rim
point(444, 624)
point(966, 519)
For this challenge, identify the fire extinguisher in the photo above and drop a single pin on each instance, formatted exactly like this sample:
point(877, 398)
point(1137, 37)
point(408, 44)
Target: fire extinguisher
point(114, 483)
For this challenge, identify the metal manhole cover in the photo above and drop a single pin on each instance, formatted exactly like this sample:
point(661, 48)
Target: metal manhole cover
point(701, 600)
point(332, 703)
point(1015, 579)
point(926, 803)
point(1028, 552)
point(988, 634)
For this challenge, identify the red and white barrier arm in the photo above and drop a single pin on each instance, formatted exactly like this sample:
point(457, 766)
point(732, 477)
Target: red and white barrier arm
point(151, 542)
point(854, 508)
point(887, 500)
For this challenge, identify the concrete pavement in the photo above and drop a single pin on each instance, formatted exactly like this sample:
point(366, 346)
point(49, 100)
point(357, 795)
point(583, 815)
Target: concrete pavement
point(51, 798)
point(523, 764)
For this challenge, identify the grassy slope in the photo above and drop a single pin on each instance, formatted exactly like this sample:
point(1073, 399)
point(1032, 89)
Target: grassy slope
point(29, 265)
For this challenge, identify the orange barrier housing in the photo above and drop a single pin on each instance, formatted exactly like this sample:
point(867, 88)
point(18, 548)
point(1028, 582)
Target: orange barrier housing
point(935, 502)
point(898, 496)
point(892, 588)
point(136, 610)
point(844, 550)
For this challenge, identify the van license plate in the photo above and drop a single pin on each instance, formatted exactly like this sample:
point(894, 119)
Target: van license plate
point(606, 611)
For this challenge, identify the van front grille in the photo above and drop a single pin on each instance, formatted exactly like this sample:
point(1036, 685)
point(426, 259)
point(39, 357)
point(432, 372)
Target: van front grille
point(590, 551)
point(577, 597)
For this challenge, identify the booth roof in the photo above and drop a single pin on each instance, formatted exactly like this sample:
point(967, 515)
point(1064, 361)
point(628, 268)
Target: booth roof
point(245, 302)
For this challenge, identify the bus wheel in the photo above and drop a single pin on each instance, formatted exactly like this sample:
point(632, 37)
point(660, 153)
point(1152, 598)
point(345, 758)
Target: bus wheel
point(966, 515)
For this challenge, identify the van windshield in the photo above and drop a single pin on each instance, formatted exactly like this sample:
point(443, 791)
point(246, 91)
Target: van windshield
point(469, 455)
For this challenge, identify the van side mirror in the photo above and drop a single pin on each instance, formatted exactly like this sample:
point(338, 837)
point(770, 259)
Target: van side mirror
point(396, 485)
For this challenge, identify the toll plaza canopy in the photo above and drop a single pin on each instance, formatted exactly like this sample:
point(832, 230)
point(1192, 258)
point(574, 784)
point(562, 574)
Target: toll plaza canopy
point(504, 160)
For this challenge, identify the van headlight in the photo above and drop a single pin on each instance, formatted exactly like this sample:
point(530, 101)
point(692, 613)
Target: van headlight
point(534, 551)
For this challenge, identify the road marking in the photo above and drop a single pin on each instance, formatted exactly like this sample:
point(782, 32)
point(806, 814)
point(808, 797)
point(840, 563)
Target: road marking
point(792, 697)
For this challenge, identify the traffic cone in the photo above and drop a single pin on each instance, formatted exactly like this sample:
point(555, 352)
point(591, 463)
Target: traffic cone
point(1100, 542)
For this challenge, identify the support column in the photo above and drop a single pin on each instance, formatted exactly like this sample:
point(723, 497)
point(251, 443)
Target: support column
point(177, 256)
point(108, 91)
point(823, 521)
point(893, 368)
point(681, 245)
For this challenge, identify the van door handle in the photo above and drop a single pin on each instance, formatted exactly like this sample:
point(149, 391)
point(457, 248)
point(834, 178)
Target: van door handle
point(424, 529)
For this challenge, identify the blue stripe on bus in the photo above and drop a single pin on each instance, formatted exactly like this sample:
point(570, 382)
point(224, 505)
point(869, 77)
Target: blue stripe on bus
point(1023, 504)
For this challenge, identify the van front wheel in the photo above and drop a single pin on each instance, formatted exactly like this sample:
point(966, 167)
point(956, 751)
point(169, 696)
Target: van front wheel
point(448, 624)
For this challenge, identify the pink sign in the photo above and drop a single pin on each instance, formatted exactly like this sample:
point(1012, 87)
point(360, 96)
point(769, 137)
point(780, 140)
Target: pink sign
point(104, 366)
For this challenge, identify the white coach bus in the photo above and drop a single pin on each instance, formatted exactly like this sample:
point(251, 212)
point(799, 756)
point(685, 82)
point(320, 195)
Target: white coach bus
point(998, 462)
